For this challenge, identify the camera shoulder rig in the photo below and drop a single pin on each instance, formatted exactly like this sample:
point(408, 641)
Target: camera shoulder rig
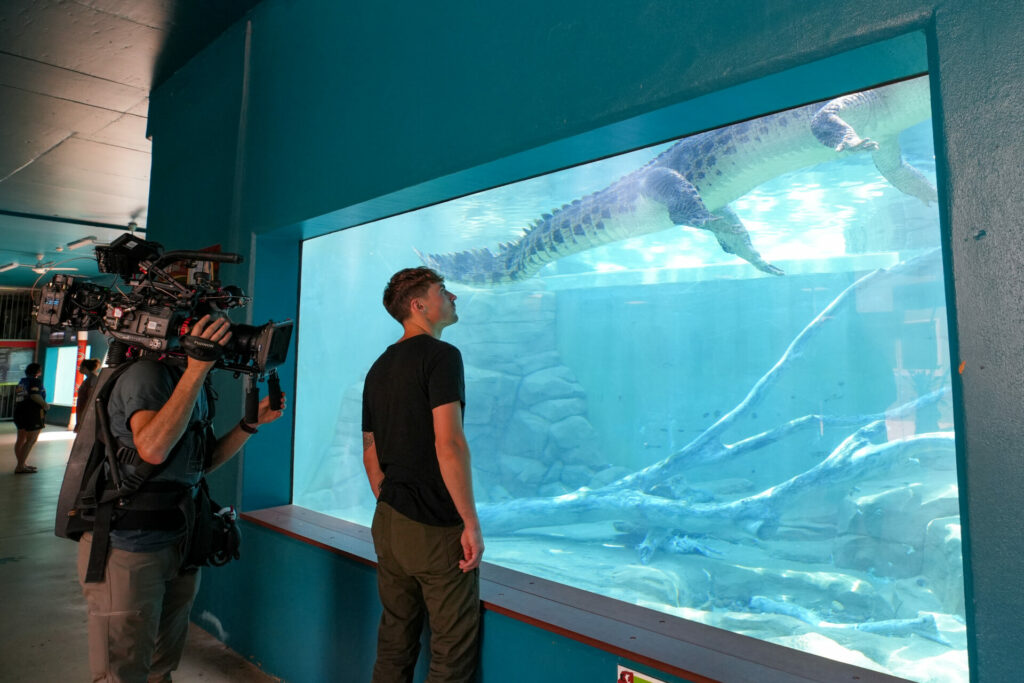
point(98, 498)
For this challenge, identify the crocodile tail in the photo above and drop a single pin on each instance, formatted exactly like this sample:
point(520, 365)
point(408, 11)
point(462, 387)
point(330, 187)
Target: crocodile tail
point(477, 267)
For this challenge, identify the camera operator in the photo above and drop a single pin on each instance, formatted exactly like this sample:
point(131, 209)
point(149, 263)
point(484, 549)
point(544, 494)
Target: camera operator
point(138, 614)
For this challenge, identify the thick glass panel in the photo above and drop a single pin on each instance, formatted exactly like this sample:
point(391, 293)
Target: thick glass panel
point(711, 378)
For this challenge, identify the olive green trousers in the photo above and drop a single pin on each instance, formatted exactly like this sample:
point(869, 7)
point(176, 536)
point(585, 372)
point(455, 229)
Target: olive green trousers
point(418, 576)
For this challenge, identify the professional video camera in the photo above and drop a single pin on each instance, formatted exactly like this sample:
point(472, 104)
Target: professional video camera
point(158, 310)
point(149, 315)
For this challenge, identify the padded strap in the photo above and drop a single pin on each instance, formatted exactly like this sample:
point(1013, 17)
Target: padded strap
point(100, 543)
point(151, 520)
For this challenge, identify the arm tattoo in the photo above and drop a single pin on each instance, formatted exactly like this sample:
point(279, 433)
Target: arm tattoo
point(367, 440)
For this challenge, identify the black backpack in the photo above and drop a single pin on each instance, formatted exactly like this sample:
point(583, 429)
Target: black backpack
point(99, 498)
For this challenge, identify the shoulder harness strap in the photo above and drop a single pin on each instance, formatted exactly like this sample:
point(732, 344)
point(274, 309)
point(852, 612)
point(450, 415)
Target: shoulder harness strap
point(124, 491)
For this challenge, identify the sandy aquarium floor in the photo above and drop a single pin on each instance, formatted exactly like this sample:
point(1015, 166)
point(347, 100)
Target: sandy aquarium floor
point(729, 587)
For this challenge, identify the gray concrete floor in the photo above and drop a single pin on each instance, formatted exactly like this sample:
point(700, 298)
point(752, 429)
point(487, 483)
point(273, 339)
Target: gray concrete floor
point(42, 611)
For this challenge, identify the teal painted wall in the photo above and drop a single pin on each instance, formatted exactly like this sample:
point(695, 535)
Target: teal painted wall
point(340, 113)
point(191, 191)
point(297, 611)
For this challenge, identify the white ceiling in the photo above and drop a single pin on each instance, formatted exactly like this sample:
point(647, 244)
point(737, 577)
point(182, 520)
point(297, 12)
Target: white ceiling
point(75, 77)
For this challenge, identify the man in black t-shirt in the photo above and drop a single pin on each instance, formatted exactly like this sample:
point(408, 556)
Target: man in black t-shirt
point(425, 529)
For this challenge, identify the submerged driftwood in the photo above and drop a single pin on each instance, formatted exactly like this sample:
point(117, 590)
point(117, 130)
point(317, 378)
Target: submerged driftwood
point(923, 625)
point(856, 458)
point(655, 509)
point(636, 498)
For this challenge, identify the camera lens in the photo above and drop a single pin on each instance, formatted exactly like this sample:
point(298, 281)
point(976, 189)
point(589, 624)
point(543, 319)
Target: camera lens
point(243, 341)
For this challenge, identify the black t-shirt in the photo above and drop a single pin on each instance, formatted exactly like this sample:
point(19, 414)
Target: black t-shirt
point(404, 385)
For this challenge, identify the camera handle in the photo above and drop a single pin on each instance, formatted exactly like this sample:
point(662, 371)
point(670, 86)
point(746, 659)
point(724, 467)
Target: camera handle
point(252, 395)
point(252, 400)
point(274, 389)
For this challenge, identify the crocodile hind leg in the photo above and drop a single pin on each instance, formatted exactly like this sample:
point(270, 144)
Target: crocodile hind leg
point(680, 197)
point(832, 131)
point(733, 237)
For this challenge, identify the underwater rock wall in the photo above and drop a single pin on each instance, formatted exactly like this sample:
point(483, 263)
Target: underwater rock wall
point(526, 415)
point(526, 418)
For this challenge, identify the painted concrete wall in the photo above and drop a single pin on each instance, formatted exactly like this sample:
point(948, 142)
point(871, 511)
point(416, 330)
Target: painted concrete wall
point(357, 111)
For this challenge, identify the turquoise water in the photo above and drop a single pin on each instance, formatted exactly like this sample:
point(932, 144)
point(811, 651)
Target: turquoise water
point(657, 421)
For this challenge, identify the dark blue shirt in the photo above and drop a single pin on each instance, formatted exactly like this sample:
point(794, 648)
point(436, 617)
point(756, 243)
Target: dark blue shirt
point(147, 385)
point(28, 386)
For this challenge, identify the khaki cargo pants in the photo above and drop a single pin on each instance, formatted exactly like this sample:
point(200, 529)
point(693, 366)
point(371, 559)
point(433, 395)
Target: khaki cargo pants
point(418, 574)
point(138, 614)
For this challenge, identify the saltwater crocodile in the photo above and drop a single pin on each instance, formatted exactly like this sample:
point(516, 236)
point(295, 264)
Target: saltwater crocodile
point(693, 182)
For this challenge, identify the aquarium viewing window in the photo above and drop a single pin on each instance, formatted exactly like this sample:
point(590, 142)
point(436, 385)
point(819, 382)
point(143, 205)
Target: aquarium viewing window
point(710, 378)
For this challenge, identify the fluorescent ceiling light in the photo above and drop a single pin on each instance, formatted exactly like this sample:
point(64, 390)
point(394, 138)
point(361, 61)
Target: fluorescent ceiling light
point(85, 241)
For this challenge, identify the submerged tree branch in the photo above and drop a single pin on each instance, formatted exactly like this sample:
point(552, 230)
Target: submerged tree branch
point(855, 458)
point(708, 447)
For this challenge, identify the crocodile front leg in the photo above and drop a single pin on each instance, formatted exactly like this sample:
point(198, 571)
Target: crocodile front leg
point(889, 161)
